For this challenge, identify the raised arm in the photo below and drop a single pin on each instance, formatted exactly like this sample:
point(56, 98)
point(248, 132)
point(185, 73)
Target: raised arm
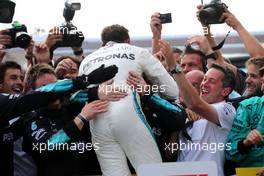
point(156, 28)
point(191, 97)
point(39, 130)
point(13, 105)
point(210, 38)
point(252, 45)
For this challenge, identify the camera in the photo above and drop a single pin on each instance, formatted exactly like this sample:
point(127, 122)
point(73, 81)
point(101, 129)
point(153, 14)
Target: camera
point(7, 10)
point(165, 18)
point(212, 12)
point(71, 36)
point(194, 46)
point(19, 36)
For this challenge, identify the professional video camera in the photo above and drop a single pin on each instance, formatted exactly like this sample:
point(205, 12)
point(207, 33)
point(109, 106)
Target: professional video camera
point(7, 10)
point(19, 36)
point(71, 36)
point(212, 12)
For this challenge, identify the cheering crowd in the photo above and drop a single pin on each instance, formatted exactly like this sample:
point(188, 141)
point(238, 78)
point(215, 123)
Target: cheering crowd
point(122, 106)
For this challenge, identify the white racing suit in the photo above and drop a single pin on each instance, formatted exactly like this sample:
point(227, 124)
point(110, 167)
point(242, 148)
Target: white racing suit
point(123, 131)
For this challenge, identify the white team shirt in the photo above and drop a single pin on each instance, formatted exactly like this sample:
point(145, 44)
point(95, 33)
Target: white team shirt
point(131, 58)
point(208, 139)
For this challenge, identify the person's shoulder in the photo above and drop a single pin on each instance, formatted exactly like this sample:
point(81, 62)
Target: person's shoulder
point(131, 46)
point(229, 108)
point(252, 101)
point(224, 104)
point(226, 114)
point(142, 52)
point(225, 107)
point(93, 53)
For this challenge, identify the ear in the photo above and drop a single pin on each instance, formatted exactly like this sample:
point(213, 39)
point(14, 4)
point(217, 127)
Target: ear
point(226, 91)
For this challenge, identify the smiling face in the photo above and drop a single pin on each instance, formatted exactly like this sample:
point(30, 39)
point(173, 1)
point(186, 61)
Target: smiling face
point(253, 80)
point(13, 81)
point(212, 90)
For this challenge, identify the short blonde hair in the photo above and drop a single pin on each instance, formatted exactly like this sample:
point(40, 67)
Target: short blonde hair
point(257, 61)
point(34, 73)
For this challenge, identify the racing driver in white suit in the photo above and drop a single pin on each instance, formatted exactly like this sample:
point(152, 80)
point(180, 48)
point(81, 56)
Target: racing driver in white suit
point(123, 131)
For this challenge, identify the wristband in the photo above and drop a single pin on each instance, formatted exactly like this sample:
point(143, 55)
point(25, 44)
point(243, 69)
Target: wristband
point(82, 118)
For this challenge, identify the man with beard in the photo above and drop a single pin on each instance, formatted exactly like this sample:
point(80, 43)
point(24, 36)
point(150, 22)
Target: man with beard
point(253, 80)
point(247, 134)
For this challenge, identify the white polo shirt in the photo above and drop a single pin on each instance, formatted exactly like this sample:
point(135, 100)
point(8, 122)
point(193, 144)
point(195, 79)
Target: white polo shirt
point(208, 139)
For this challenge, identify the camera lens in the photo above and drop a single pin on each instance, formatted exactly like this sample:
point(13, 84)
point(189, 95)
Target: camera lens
point(212, 13)
point(22, 39)
point(207, 13)
point(195, 46)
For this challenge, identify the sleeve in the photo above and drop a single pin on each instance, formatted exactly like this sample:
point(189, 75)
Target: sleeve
point(238, 133)
point(6, 101)
point(87, 95)
point(226, 113)
point(69, 132)
point(59, 86)
point(66, 85)
point(17, 128)
point(174, 115)
point(157, 74)
point(41, 131)
point(14, 105)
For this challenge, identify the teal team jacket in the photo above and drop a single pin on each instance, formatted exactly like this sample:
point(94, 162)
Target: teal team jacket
point(250, 115)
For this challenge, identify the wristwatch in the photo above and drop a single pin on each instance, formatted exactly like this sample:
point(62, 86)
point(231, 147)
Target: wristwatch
point(82, 118)
point(177, 69)
point(213, 55)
